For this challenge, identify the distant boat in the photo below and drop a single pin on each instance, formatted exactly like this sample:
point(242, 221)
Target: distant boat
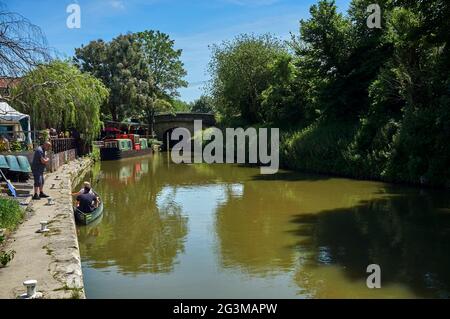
point(124, 146)
point(86, 219)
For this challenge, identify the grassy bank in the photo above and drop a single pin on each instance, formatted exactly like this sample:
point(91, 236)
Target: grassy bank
point(338, 148)
point(318, 149)
point(386, 152)
point(10, 214)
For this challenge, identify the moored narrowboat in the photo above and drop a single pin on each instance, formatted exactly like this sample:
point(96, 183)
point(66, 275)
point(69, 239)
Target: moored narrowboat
point(124, 146)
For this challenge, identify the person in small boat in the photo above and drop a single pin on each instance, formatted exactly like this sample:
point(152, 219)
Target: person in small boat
point(87, 202)
point(85, 190)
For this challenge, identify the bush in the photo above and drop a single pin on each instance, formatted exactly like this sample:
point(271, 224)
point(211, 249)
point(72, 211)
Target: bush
point(95, 155)
point(10, 214)
point(17, 147)
point(409, 150)
point(44, 136)
point(318, 148)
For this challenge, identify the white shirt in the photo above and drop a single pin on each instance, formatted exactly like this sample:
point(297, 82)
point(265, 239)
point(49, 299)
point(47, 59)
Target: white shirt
point(83, 192)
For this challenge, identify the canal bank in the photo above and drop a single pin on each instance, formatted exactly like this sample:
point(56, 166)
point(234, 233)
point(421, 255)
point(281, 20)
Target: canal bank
point(52, 258)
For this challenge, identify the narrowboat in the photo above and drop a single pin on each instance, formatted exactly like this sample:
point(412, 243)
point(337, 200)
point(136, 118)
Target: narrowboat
point(124, 146)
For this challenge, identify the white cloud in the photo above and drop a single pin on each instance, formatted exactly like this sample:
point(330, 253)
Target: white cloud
point(117, 4)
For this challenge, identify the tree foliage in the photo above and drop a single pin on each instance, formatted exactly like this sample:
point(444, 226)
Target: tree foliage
point(388, 87)
point(163, 61)
point(58, 95)
point(120, 65)
point(204, 104)
point(180, 106)
point(22, 44)
point(143, 72)
point(282, 101)
point(240, 72)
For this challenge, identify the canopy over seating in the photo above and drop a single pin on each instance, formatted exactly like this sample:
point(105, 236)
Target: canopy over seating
point(12, 116)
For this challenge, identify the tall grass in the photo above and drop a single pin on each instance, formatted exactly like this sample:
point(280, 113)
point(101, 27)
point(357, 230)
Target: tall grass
point(10, 214)
point(318, 148)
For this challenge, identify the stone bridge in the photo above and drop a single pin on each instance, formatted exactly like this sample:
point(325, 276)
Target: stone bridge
point(166, 123)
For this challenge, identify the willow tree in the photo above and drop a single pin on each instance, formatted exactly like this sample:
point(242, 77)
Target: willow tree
point(22, 47)
point(22, 44)
point(60, 96)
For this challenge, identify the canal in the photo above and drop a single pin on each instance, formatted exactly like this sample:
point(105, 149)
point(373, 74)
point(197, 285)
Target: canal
point(225, 231)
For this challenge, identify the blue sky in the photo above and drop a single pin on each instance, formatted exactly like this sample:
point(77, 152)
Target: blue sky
point(193, 24)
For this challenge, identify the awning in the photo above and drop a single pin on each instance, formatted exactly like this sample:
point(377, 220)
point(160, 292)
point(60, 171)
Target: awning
point(8, 114)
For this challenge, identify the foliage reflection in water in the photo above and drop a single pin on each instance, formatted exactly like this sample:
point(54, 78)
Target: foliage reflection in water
point(225, 231)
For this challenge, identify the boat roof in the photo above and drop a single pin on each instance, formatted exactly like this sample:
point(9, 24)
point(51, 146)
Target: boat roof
point(118, 139)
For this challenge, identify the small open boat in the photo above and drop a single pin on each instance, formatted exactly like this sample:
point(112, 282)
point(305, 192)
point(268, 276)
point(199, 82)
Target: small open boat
point(86, 219)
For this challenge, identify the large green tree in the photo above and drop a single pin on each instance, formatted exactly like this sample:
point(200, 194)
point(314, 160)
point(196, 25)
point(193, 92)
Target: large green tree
point(322, 52)
point(240, 71)
point(121, 66)
point(163, 62)
point(283, 101)
point(366, 102)
point(60, 96)
point(181, 106)
point(142, 70)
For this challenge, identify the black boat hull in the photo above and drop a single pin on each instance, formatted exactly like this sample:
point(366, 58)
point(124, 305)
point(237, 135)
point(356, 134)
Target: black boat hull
point(115, 154)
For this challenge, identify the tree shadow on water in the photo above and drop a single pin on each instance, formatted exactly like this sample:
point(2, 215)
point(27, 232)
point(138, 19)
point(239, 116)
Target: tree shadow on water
point(408, 236)
point(291, 177)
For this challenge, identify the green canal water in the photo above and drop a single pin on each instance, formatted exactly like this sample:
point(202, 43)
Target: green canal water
point(225, 231)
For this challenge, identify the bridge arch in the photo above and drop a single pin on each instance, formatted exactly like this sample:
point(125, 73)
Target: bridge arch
point(167, 138)
point(166, 123)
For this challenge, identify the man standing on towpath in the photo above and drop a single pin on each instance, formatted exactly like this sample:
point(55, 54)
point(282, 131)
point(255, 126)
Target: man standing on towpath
point(40, 162)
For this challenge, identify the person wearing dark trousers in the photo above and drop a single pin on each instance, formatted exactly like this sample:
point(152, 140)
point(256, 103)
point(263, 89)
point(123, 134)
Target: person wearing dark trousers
point(40, 162)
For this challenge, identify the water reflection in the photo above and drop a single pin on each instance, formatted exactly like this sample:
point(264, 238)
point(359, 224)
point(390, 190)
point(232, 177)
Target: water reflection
point(224, 231)
point(135, 234)
point(406, 235)
point(253, 230)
